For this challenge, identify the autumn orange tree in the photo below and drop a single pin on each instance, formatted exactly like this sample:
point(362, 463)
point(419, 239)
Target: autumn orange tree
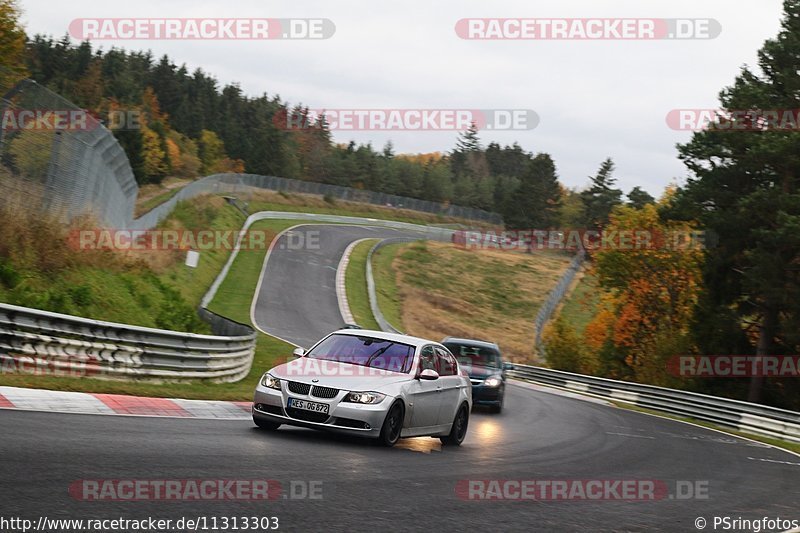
point(649, 293)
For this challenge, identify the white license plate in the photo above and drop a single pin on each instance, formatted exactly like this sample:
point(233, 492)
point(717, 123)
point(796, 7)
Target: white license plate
point(305, 405)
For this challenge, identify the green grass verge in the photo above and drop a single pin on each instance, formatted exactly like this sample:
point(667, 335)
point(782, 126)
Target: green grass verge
point(356, 285)
point(389, 301)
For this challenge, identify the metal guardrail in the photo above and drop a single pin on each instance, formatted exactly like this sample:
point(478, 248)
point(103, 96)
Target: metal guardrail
point(744, 416)
point(40, 342)
point(371, 292)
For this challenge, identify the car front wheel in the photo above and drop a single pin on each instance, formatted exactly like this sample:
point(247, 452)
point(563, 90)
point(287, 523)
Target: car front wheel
point(459, 429)
point(392, 426)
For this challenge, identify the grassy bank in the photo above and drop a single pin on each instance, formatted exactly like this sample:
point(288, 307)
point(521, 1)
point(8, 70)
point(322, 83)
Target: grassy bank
point(43, 265)
point(581, 303)
point(132, 288)
point(153, 195)
point(232, 300)
point(438, 290)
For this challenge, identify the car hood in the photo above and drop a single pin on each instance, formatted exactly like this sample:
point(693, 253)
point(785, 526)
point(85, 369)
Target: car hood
point(337, 375)
point(483, 372)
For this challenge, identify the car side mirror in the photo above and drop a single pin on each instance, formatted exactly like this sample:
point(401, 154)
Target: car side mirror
point(508, 366)
point(298, 352)
point(429, 374)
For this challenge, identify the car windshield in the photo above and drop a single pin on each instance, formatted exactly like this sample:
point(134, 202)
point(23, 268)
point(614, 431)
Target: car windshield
point(365, 351)
point(474, 355)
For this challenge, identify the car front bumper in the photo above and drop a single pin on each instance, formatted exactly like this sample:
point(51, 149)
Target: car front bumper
point(343, 417)
point(483, 395)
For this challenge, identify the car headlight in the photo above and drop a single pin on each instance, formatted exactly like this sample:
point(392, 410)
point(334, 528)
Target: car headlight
point(364, 397)
point(493, 382)
point(271, 382)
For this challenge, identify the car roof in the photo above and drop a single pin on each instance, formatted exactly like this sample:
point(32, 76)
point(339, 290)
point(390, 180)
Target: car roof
point(472, 342)
point(396, 337)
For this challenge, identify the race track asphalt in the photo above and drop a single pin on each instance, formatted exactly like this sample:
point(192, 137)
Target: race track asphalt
point(539, 436)
point(296, 300)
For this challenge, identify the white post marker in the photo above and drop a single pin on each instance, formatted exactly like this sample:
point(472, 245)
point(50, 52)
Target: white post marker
point(192, 258)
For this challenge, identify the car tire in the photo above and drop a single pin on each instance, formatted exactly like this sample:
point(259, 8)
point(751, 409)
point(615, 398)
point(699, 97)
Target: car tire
point(459, 429)
point(392, 425)
point(266, 424)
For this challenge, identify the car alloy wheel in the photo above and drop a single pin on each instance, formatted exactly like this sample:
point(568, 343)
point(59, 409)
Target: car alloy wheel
point(392, 426)
point(459, 429)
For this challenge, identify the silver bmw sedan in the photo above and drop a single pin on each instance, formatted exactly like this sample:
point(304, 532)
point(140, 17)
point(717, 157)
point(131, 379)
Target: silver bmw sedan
point(369, 383)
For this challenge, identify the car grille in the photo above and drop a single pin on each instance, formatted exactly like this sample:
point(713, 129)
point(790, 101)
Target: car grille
point(324, 392)
point(299, 388)
point(308, 416)
point(476, 381)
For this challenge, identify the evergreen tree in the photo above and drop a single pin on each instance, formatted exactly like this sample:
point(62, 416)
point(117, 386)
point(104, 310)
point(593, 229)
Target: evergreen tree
point(746, 189)
point(638, 198)
point(536, 201)
point(601, 197)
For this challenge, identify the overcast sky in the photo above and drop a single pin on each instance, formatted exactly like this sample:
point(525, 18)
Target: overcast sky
point(594, 98)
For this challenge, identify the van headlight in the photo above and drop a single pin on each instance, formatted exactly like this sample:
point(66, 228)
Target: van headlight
point(271, 382)
point(364, 397)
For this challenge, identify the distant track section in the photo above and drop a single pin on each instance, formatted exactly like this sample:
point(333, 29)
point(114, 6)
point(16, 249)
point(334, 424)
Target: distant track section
point(296, 297)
